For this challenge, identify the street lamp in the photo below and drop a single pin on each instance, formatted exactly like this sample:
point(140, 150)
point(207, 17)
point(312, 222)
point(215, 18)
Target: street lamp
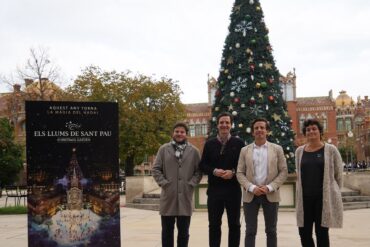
point(350, 135)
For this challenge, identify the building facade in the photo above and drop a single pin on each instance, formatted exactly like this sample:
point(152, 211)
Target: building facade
point(12, 104)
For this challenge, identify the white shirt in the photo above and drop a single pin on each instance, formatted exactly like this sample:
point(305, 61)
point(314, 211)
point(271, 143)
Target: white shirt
point(260, 164)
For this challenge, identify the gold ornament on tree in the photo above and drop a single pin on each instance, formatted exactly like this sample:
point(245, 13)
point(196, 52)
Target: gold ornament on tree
point(237, 8)
point(267, 65)
point(230, 60)
point(276, 117)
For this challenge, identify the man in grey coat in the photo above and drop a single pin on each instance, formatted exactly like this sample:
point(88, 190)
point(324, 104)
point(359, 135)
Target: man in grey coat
point(176, 172)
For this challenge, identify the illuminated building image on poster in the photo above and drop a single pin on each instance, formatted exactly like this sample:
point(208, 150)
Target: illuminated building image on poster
point(72, 174)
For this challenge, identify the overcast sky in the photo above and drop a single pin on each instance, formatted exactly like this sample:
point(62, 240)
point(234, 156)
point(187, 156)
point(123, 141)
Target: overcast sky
point(327, 41)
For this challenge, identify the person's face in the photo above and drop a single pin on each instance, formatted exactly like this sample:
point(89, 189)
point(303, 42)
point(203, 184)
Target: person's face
point(179, 134)
point(259, 131)
point(312, 132)
point(224, 125)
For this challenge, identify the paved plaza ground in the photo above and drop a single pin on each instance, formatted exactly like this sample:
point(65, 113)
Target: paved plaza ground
point(141, 228)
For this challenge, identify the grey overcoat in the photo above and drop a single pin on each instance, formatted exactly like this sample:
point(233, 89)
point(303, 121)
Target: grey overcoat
point(332, 208)
point(177, 179)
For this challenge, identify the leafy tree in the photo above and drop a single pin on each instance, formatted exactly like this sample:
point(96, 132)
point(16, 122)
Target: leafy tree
point(10, 154)
point(148, 108)
point(248, 83)
point(347, 153)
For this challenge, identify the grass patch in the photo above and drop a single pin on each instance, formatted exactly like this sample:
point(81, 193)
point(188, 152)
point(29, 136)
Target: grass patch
point(13, 210)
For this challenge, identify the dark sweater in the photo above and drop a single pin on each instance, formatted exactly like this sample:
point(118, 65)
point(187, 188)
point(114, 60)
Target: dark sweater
point(228, 160)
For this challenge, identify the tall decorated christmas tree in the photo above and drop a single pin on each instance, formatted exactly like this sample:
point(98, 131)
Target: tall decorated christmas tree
point(248, 83)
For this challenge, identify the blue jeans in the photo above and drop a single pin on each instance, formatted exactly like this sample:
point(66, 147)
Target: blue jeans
point(168, 225)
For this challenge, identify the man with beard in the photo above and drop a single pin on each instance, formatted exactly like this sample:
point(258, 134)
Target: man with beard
point(176, 172)
point(262, 169)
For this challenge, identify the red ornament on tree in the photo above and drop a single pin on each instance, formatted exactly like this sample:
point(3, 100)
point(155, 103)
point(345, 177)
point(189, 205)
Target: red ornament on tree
point(252, 100)
point(271, 80)
point(236, 100)
point(251, 67)
point(271, 98)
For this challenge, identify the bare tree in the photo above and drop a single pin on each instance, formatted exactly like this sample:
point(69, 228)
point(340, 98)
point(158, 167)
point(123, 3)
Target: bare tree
point(38, 74)
point(7, 80)
point(39, 68)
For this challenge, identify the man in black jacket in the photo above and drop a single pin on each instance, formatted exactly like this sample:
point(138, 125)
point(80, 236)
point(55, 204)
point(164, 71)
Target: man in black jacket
point(219, 161)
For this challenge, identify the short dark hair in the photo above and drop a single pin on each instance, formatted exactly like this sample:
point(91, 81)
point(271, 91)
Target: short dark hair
point(181, 124)
point(225, 114)
point(260, 120)
point(312, 121)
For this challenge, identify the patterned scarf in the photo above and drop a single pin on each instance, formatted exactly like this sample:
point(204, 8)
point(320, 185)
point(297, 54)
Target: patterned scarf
point(179, 149)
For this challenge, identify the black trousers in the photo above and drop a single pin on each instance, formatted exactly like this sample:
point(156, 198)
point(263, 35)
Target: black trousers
point(216, 206)
point(270, 213)
point(168, 226)
point(312, 208)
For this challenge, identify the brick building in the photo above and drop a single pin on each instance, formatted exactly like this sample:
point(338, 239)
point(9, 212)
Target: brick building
point(353, 125)
point(12, 104)
point(361, 129)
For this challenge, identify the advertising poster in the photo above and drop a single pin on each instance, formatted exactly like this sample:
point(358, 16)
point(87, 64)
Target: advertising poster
point(72, 174)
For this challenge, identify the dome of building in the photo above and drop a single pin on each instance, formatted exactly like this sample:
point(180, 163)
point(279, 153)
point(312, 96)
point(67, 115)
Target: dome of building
point(343, 99)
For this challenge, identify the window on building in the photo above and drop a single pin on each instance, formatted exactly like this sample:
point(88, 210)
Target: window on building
point(204, 129)
point(192, 130)
point(348, 124)
point(324, 123)
point(301, 121)
point(340, 126)
point(288, 92)
point(198, 130)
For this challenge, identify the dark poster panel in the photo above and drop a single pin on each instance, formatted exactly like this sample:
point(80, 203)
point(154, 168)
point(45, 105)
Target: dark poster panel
point(72, 174)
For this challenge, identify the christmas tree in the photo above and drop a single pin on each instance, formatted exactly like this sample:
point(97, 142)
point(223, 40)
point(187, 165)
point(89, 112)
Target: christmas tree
point(248, 83)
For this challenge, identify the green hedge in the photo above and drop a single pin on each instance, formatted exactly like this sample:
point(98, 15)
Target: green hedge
point(13, 210)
